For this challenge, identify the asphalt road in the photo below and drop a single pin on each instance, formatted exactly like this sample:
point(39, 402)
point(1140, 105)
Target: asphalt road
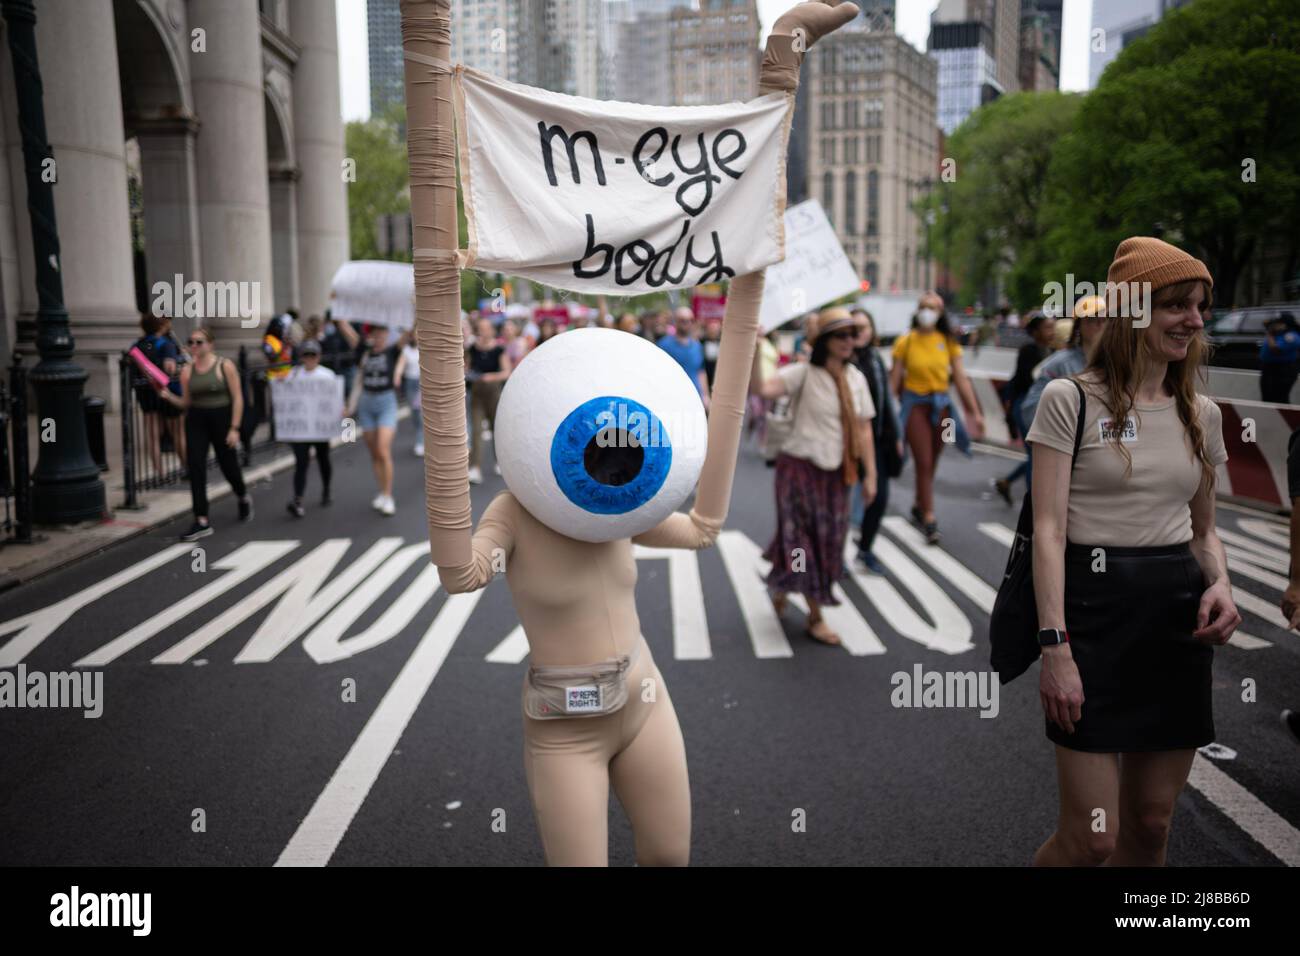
point(797, 755)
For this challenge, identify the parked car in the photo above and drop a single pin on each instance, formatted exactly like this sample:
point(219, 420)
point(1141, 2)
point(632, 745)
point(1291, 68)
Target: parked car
point(1238, 334)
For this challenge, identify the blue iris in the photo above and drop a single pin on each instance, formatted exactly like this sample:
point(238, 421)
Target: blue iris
point(610, 455)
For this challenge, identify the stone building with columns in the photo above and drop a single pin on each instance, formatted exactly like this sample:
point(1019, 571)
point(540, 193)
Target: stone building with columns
point(227, 113)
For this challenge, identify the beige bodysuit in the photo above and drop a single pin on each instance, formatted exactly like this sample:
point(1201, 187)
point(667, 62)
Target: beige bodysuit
point(576, 600)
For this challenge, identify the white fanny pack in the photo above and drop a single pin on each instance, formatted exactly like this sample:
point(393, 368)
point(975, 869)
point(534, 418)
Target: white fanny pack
point(587, 690)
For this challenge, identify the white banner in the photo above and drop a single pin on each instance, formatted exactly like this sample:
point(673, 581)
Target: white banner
point(307, 408)
point(617, 198)
point(374, 292)
point(815, 270)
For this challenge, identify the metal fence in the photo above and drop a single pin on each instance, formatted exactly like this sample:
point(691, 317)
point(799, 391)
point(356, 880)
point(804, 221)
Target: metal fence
point(153, 430)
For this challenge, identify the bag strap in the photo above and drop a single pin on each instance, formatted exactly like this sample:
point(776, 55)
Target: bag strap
point(1078, 424)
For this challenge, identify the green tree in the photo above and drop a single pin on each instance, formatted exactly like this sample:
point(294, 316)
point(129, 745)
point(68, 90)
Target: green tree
point(987, 220)
point(1168, 141)
point(377, 147)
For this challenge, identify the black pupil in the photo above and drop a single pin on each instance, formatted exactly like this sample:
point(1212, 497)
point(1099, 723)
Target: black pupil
point(613, 457)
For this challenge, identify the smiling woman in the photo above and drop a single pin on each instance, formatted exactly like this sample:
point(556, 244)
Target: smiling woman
point(1127, 654)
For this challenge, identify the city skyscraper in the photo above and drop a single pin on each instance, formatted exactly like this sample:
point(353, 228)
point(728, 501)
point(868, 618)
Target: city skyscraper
point(872, 149)
point(977, 46)
point(384, 42)
point(1123, 21)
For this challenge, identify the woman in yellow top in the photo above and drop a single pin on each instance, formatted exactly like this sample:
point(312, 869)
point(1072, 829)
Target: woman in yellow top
point(926, 360)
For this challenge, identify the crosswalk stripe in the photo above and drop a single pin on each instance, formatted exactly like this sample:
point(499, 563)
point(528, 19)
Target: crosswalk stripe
point(951, 631)
point(35, 627)
point(241, 564)
point(856, 635)
point(1240, 562)
point(742, 559)
point(1247, 811)
point(512, 650)
point(686, 595)
point(1270, 531)
point(321, 831)
point(1271, 556)
point(998, 532)
point(981, 594)
point(1266, 610)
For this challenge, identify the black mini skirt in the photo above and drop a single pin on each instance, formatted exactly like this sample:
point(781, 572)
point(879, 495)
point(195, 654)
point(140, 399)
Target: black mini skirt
point(1146, 680)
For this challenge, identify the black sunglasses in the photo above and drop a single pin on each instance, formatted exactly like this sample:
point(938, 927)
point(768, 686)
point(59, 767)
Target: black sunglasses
point(198, 342)
point(842, 334)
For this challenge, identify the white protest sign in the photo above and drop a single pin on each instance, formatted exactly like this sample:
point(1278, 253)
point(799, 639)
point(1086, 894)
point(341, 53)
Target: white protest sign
point(618, 198)
point(307, 407)
point(374, 292)
point(815, 270)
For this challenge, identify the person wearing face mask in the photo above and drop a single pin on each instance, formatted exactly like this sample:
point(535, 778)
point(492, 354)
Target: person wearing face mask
point(927, 360)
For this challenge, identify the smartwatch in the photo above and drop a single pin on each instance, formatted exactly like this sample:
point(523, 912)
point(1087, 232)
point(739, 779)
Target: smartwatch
point(1051, 636)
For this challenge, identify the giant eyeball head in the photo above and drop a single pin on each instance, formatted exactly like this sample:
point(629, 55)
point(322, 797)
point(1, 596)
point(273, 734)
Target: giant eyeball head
point(600, 434)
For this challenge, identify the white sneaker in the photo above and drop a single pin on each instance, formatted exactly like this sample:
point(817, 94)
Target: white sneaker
point(419, 450)
point(496, 468)
point(389, 507)
point(378, 503)
point(475, 476)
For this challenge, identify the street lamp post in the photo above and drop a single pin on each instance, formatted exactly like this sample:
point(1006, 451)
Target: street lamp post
point(65, 485)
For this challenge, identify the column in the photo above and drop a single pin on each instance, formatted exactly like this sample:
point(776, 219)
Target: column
point(77, 46)
point(318, 139)
point(230, 158)
point(171, 221)
point(284, 239)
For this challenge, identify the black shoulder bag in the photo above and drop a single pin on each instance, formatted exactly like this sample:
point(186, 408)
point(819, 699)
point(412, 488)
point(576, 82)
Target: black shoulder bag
point(1013, 625)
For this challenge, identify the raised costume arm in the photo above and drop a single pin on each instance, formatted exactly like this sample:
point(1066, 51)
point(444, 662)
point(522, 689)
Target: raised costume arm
point(796, 30)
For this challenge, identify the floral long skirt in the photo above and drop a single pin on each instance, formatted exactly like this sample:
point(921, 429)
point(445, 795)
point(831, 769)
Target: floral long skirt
point(812, 520)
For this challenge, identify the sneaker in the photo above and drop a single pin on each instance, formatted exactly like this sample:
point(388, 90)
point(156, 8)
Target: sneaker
point(1291, 719)
point(245, 508)
point(389, 507)
point(296, 509)
point(325, 498)
point(870, 562)
point(197, 531)
point(378, 502)
point(418, 449)
point(1004, 489)
point(475, 476)
point(918, 517)
point(932, 533)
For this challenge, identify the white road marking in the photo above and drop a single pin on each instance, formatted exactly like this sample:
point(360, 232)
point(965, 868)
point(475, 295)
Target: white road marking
point(1241, 562)
point(998, 532)
point(321, 831)
point(298, 608)
point(1247, 811)
point(1248, 642)
point(743, 560)
point(327, 637)
point(327, 647)
point(951, 631)
point(512, 650)
point(686, 594)
point(981, 594)
point(1267, 610)
point(1273, 532)
point(856, 635)
point(35, 627)
point(1268, 556)
point(242, 563)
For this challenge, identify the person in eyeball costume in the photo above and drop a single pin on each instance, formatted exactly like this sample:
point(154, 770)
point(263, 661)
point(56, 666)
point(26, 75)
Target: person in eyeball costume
point(599, 444)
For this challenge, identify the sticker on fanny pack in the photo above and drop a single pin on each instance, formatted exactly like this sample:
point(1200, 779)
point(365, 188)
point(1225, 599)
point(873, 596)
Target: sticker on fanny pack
point(1107, 431)
point(587, 699)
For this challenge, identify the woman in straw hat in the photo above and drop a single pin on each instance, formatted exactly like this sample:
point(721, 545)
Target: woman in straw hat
point(828, 452)
point(1126, 654)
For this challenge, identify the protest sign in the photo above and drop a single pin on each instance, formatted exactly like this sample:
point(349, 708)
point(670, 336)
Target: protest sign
point(618, 198)
point(815, 270)
point(307, 407)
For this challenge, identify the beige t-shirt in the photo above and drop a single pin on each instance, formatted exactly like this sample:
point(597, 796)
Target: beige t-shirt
point(817, 434)
point(1148, 508)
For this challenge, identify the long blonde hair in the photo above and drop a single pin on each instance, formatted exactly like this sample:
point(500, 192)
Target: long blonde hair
point(1120, 361)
